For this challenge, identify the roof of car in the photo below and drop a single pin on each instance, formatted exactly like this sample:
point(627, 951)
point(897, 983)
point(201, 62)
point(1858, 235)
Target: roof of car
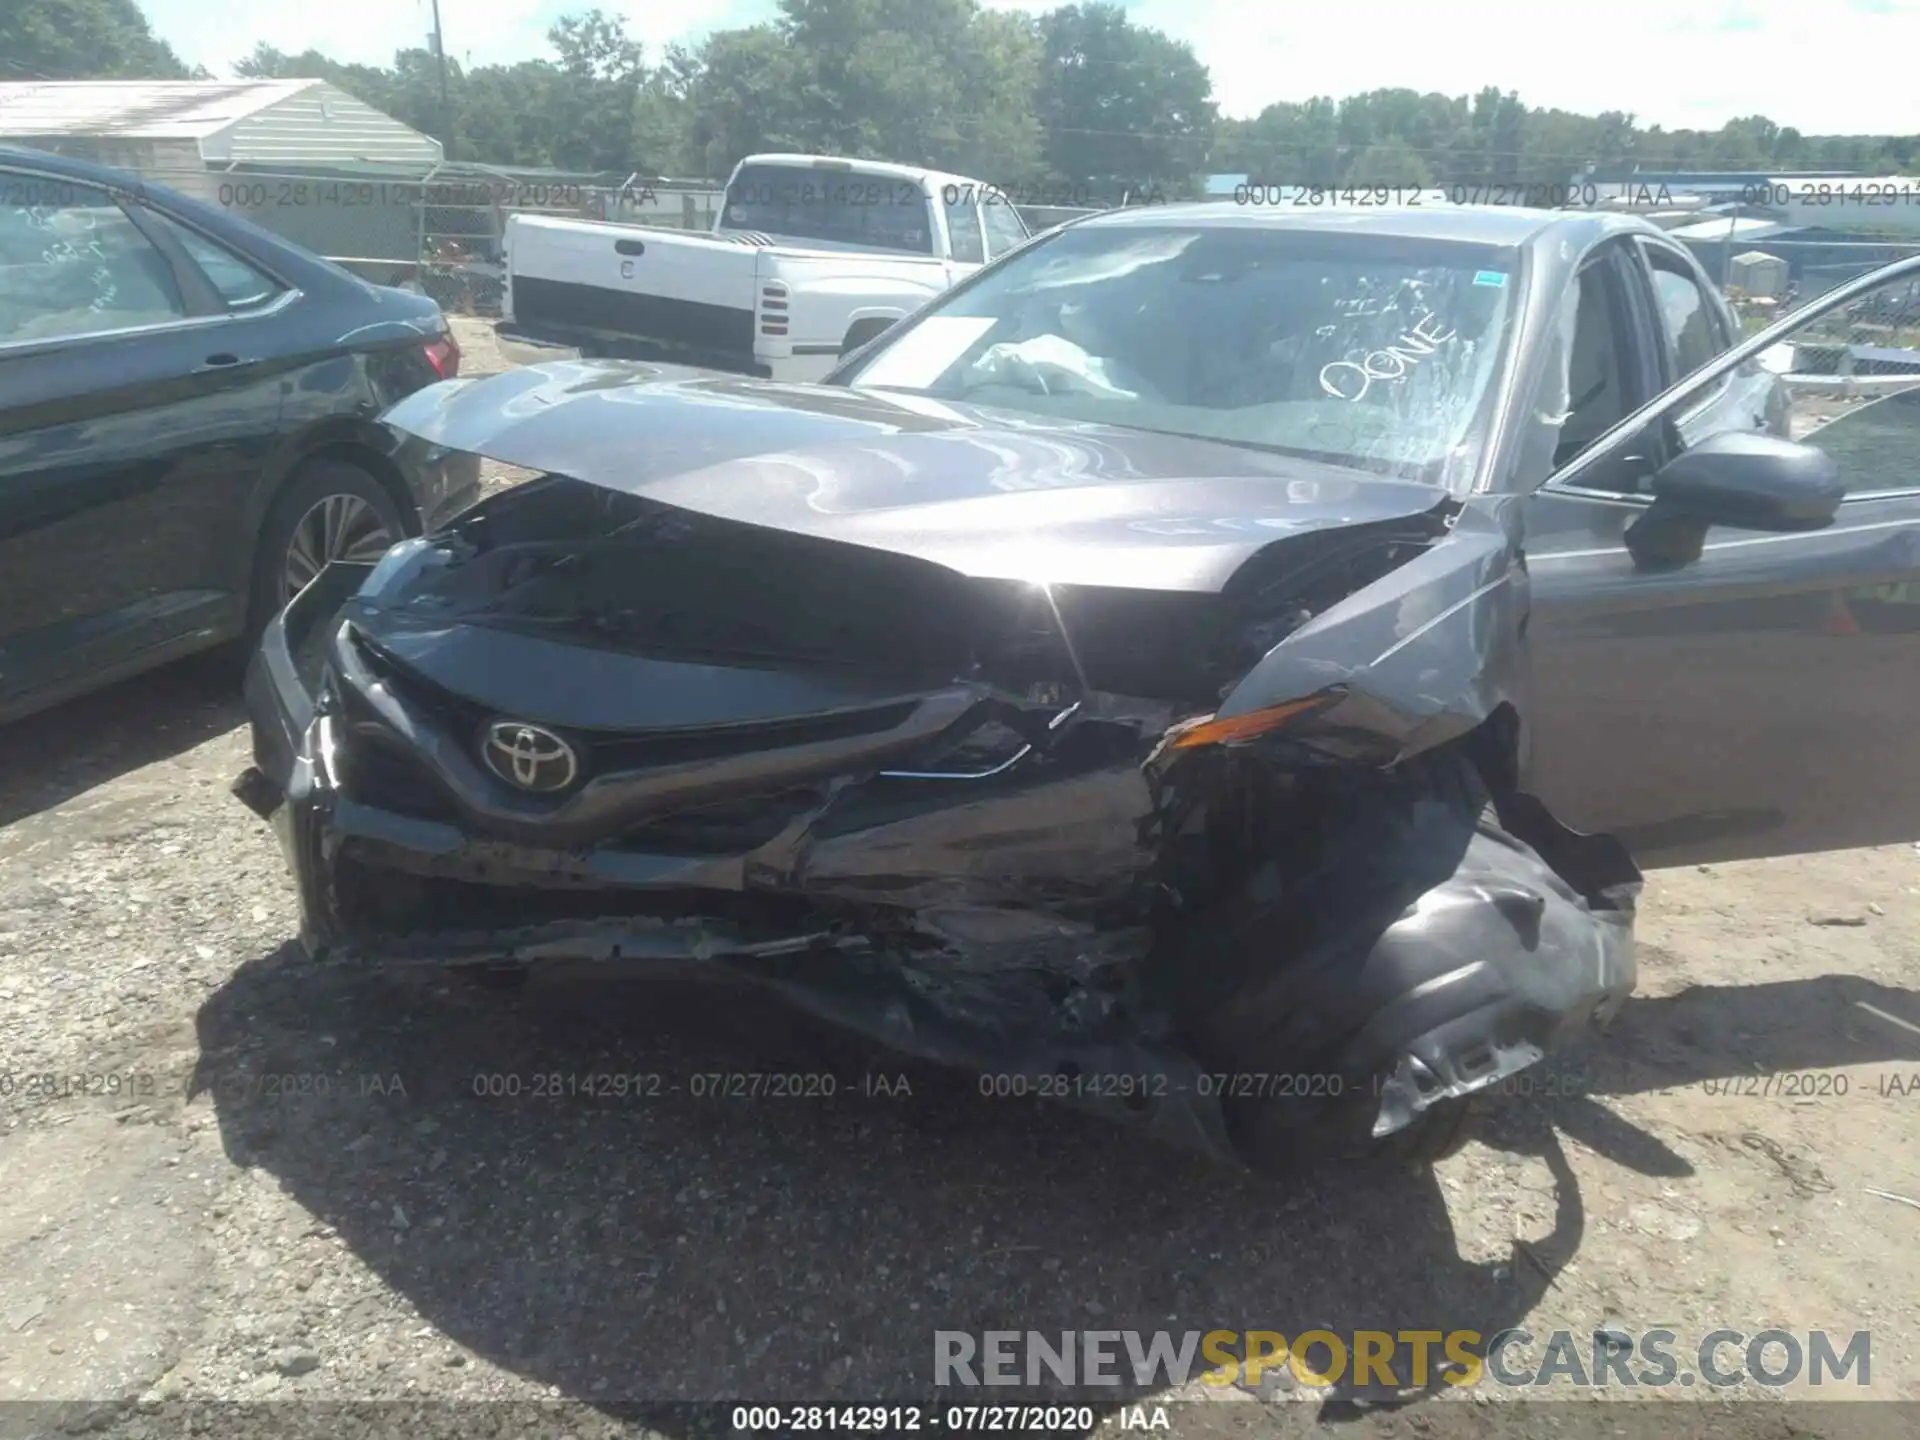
point(254, 240)
point(65, 166)
point(1470, 224)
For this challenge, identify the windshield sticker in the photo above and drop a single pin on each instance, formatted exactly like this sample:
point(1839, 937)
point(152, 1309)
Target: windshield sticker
point(1495, 278)
point(924, 353)
point(1350, 380)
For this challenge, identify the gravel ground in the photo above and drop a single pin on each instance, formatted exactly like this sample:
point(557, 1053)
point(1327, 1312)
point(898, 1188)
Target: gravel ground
point(292, 1191)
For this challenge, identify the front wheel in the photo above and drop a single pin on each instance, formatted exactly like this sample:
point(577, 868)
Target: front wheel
point(1401, 957)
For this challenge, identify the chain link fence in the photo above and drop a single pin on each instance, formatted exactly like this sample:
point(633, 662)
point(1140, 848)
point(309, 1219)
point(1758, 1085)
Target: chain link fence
point(439, 232)
point(1861, 351)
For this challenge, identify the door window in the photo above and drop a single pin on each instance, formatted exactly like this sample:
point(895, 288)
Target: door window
point(1845, 380)
point(1688, 317)
point(239, 284)
point(72, 263)
point(802, 203)
point(963, 227)
point(1597, 377)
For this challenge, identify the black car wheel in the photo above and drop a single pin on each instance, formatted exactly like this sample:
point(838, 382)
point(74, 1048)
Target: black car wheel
point(1280, 1030)
point(329, 511)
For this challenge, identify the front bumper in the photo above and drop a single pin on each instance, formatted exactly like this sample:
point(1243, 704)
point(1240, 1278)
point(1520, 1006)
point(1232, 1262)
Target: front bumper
point(1009, 1029)
point(1481, 978)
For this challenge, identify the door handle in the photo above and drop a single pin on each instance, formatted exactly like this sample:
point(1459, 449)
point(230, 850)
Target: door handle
point(221, 361)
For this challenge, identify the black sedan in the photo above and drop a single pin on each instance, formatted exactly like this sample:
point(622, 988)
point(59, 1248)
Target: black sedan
point(1208, 667)
point(187, 425)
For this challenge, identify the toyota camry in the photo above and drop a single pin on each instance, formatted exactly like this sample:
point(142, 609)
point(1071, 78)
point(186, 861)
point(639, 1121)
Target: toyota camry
point(1225, 661)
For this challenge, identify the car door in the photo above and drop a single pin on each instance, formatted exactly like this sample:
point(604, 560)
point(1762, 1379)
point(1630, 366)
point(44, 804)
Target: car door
point(1758, 698)
point(135, 410)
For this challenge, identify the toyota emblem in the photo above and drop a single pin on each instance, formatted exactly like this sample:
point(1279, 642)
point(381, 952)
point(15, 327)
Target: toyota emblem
point(529, 756)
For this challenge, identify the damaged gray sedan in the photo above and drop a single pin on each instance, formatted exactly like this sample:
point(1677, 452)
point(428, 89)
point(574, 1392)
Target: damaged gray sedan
point(1138, 672)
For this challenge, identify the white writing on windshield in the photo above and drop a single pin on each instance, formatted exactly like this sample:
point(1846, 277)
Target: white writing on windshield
point(1351, 379)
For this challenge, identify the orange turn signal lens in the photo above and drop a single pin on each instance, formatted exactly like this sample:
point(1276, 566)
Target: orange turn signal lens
point(1246, 727)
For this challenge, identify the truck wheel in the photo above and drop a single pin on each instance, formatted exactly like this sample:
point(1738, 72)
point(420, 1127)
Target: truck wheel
point(1281, 1027)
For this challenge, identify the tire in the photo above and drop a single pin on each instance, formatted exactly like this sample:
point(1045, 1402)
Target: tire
point(365, 502)
point(1373, 854)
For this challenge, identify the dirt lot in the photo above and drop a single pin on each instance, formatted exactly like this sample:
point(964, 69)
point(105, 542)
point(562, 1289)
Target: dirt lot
point(297, 1194)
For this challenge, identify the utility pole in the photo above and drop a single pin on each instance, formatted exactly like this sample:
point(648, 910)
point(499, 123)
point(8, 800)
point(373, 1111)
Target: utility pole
point(446, 109)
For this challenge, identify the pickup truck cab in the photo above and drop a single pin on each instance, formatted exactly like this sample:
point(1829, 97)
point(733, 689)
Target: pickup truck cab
point(810, 257)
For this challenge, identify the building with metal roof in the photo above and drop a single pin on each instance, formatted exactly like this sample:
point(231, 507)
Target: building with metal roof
point(177, 132)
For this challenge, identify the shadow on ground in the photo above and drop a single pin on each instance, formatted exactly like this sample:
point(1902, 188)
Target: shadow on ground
point(670, 1248)
point(56, 754)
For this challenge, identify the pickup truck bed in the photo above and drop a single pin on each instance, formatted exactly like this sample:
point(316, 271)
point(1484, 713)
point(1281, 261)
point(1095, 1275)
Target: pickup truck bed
point(588, 280)
point(735, 301)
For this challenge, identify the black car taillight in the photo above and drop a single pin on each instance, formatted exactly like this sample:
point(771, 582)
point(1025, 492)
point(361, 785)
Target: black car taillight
point(443, 353)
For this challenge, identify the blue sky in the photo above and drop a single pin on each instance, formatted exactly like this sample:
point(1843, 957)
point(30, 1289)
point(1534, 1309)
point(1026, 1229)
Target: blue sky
point(1826, 66)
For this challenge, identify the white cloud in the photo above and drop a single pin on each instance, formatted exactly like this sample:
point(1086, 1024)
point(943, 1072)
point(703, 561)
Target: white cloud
point(1835, 66)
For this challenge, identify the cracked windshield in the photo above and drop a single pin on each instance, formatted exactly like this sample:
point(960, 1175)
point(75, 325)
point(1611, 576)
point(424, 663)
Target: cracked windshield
point(1371, 354)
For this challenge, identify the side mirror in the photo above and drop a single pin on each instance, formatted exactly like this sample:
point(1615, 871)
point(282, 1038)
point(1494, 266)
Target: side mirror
point(1757, 481)
point(1748, 479)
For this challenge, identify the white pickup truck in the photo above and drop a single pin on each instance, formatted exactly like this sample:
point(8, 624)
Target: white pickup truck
point(810, 257)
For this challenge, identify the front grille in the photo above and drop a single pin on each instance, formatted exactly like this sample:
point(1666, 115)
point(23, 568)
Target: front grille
point(609, 751)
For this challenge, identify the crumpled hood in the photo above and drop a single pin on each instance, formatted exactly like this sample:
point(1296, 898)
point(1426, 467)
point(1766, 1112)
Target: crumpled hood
point(981, 492)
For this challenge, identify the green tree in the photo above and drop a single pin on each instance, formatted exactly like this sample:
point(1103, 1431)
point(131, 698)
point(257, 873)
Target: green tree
point(943, 83)
point(1392, 161)
point(83, 40)
point(748, 96)
point(592, 113)
point(1120, 103)
point(1078, 93)
point(664, 116)
point(507, 113)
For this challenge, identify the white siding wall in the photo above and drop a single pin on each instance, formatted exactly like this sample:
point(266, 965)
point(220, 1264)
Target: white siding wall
point(320, 125)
